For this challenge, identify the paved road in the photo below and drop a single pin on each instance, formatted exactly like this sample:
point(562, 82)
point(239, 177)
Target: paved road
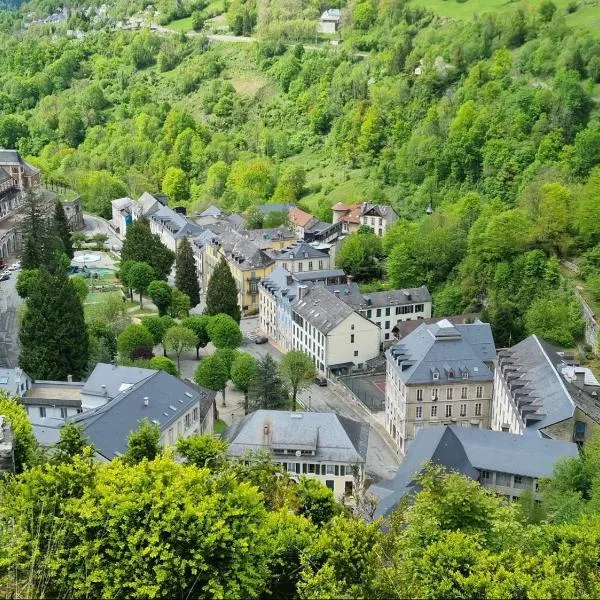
point(382, 461)
point(9, 333)
point(94, 224)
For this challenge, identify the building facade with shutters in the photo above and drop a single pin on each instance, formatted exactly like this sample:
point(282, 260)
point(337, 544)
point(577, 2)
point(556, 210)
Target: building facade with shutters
point(440, 374)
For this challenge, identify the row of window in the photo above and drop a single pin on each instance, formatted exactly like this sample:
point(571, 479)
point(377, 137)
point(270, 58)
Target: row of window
point(464, 393)
point(317, 469)
point(301, 266)
point(64, 412)
point(448, 412)
point(400, 310)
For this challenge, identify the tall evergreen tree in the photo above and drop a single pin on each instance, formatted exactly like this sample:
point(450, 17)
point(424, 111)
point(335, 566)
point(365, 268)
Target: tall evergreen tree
point(62, 228)
point(142, 245)
point(267, 389)
point(54, 338)
point(222, 293)
point(34, 214)
point(186, 277)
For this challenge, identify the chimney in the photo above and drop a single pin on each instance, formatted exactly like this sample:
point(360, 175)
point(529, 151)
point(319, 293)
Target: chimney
point(146, 400)
point(302, 289)
point(104, 392)
point(70, 378)
point(337, 293)
point(349, 278)
point(266, 434)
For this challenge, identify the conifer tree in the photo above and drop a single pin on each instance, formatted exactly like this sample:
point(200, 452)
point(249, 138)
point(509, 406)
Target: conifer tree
point(267, 389)
point(222, 293)
point(142, 245)
point(186, 277)
point(54, 338)
point(62, 228)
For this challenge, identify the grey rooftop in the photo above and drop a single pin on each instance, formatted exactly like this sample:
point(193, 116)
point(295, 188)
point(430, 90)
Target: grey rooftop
point(444, 352)
point(116, 379)
point(331, 437)
point(322, 309)
point(469, 451)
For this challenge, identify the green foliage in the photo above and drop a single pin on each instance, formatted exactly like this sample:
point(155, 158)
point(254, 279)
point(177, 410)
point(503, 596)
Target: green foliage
point(143, 444)
point(222, 293)
point(180, 305)
point(163, 363)
point(243, 371)
point(161, 295)
point(157, 326)
point(26, 281)
point(224, 332)
point(267, 389)
point(179, 339)
point(72, 442)
point(360, 256)
point(25, 444)
point(198, 325)
point(202, 451)
point(316, 501)
point(141, 245)
point(175, 184)
point(81, 287)
point(135, 341)
point(53, 335)
point(186, 276)
point(212, 373)
point(139, 277)
point(557, 319)
point(61, 226)
point(297, 371)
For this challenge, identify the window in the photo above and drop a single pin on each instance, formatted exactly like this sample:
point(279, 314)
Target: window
point(435, 394)
point(478, 409)
point(486, 477)
point(352, 338)
point(436, 375)
point(387, 324)
point(330, 484)
point(434, 410)
point(518, 483)
point(311, 468)
point(79, 411)
point(479, 391)
point(310, 265)
point(171, 435)
point(463, 393)
point(419, 395)
point(329, 470)
point(356, 353)
point(419, 412)
point(352, 327)
point(369, 313)
point(300, 267)
point(42, 411)
point(398, 310)
point(378, 312)
point(63, 412)
point(463, 410)
point(188, 421)
point(387, 312)
point(448, 393)
point(448, 410)
point(387, 336)
point(320, 265)
point(465, 374)
point(343, 470)
point(195, 414)
point(419, 307)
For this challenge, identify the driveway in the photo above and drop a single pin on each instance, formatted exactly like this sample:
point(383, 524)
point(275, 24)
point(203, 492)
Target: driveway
point(94, 224)
point(9, 331)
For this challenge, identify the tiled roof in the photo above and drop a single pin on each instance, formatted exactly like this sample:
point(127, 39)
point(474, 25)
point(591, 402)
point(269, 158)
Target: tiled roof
point(243, 251)
point(9, 157)
point(352, 295)
point(299, 217)
point(299, 251)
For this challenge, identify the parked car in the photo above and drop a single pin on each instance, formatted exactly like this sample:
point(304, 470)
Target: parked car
point(260, 339)
point(4, 276)
point(14, 267)
point(321, 381)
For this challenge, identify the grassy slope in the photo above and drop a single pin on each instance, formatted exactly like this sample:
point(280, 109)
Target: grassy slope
point(587, 15)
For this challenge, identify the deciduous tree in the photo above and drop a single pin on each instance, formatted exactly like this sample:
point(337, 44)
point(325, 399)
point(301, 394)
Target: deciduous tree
point(135, 341)
point(224, 332)
point(139, 277)
point(198, 325)
point(161, 295)
point(212, 373)
point(297, 371)
point(243, 373)
point(179, 339)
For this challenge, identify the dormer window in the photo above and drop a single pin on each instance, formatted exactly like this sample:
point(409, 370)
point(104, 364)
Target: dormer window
point(436, 375)
point(465, 374)
point(451, 374)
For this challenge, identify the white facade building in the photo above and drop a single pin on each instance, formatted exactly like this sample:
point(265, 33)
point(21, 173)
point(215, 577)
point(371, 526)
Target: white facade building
point(336, 337)
point(324, 446)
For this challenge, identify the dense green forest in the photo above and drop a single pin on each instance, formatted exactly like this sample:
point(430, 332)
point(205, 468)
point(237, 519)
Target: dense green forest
point(492, 121)
point(148, 526)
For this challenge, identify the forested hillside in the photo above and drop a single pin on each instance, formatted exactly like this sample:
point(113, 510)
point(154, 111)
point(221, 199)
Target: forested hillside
point(492, 121)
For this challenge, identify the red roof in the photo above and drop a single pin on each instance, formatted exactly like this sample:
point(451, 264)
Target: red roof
point(299, 217)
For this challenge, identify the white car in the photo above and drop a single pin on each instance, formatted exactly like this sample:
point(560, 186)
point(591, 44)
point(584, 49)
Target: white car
point(14, 267)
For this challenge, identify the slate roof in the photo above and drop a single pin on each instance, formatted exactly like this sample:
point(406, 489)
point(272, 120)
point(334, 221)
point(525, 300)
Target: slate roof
point(147, 204)
point(121, 203)
point(377, 210)
point(543, 375)
point(116, 379)
point(9, 157)
point(237, 220)
point(331, 14)
point(322, 309)
point(211, 211)
point(177, 224)
point(264, 238)
point(406, 327)
point(168, 399)
point(334, 438)
point(444, 349)
point(299, 251)
point(5, 176)
point(352, 295)
point(469, 451)
point(313, 275)
point(243, 251)
point(13, 381)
